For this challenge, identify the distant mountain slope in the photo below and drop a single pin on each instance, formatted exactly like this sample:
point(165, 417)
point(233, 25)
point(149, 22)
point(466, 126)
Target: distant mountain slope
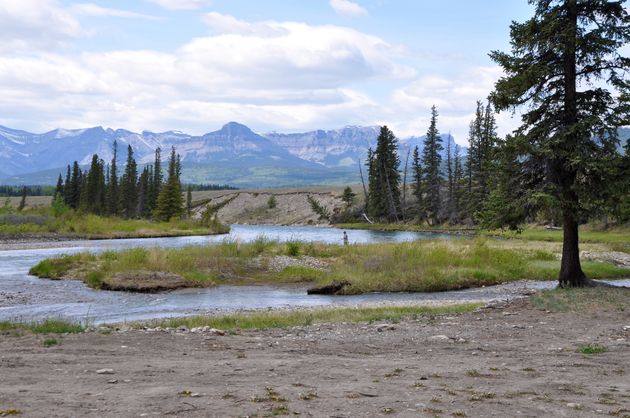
point(344, 147)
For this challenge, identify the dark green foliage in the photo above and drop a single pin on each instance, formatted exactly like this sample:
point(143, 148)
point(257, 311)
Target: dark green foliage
point(128, 187)
point(112, 185)
point(170, 203)
point(480, 164)
point(144, 211)
point(272, 202)
point(348, 196)
point(384, 178)
point(59, 187)
point(458, 186)
point(564, 153)
point(73, 197)
point(155, 186)
point(16, 191)
point(93, 193)
point(431, 160)
point(22, 204)
point(321, 211)
point(418, 184)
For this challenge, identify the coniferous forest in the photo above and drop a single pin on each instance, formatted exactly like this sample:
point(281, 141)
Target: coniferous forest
point(100, 190)
point(477, 189)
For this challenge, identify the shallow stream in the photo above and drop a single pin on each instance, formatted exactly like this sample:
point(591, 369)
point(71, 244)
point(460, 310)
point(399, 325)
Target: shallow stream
point(27, 298)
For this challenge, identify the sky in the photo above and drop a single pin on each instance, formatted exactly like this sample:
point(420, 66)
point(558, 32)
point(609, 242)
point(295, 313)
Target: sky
point(274, 65)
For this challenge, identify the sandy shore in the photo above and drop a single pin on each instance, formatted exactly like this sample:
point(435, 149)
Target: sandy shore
point(513, 360)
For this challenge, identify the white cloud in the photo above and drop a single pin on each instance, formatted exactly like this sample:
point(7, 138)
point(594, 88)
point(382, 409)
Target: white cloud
point(455, 98)
point(30, 24)
point(182, 4)
point(348, 8)
point(91, 9)
point(273, 75)
point(229, 24)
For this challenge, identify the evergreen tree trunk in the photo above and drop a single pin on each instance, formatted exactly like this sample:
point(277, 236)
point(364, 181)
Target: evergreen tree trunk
point(571, 274)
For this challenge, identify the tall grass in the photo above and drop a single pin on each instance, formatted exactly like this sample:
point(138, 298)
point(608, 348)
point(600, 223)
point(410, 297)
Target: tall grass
point(407, 267)
point(266, 320)
point(94, 226)
point(49, 326)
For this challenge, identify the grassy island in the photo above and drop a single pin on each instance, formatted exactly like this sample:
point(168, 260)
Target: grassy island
point(406, 267)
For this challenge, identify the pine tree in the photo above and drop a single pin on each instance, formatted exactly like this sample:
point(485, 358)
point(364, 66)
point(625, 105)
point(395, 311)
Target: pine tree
point(450, 181)
point(458, 188)
point(348, 197)
point(128, 184)
point(384, 177)
point(170, 203)
point(93, 196)
point(22, 204)
point(418, 181)
point(74, 191)
point(569, 130)
point(155, 185)
point(59, 186)
point(431, 160)
point(66, 191)
point(112, 189)
point(143, 209)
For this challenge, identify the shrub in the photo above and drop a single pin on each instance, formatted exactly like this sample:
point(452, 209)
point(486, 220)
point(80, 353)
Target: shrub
point(293, 248)
point(272, 202)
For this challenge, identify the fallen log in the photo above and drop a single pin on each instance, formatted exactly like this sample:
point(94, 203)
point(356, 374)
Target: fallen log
point(331, 289)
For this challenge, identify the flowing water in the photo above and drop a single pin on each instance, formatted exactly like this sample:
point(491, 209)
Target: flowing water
point(27, 298)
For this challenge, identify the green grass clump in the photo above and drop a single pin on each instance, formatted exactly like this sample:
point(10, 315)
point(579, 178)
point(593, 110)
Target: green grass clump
point(296, 274)
point(56, 268)
point(293, 248)
point(582, 300)
point(266, 320)
point(49, 326)
point(592, 349)
point(49, 342)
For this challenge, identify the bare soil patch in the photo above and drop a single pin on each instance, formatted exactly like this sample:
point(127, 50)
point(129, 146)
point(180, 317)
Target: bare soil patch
point(510, 360)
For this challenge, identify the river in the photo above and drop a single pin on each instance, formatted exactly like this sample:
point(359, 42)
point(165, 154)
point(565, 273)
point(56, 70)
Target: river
point(27, 298)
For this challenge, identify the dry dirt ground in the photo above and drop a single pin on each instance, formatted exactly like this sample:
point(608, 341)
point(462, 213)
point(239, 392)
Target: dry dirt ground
point(513, 360)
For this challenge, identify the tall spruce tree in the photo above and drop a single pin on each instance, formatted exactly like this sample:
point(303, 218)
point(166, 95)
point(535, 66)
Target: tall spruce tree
point(418, 182)
point(128, 187)
point(112, 185)
point(156, 180)
point(59, 186)
point(170, 203)
point(458, 187)
point(74, 192)
point(450, 181)
point(93, 196)
point(431, 160)
point(384, 177)
point(66, 189)
point(569, 129)
point(143, 193)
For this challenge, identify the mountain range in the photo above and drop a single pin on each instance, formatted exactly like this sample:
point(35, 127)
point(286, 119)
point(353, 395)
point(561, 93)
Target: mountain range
point(233, 155)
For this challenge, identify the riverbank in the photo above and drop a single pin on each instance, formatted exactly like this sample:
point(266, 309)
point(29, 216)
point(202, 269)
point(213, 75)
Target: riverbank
point(37, 228)
point(615, 237)
point(420, 266)
point(562, 354)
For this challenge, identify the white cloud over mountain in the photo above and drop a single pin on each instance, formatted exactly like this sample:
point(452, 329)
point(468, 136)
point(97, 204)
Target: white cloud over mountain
point(283, 75)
